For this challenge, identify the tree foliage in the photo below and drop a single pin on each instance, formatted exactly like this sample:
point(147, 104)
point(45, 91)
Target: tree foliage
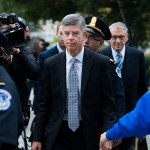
point(136, 13)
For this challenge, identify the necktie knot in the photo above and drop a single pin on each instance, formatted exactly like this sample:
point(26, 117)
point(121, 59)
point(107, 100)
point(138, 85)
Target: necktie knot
point(74, 60)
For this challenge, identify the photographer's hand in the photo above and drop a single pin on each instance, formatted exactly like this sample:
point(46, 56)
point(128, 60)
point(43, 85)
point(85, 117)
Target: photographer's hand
point(15, 50)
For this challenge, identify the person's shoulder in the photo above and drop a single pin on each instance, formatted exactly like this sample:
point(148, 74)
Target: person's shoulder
point(100, 57)
point(134, 50)
point(49, 52)
point(136, 53)
point(105, 50)
point(55, 57)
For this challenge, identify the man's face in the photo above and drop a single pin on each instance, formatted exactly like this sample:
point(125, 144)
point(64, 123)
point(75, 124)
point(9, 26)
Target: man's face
point(59, 35)
point(118, 39)
point(93, 41)
point(74, 39)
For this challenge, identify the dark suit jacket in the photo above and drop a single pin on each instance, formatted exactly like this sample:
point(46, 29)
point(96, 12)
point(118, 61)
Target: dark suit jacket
point(40, 61)
point(97, 99)
point(46, 54)
point(118, 89)
point(133, 75)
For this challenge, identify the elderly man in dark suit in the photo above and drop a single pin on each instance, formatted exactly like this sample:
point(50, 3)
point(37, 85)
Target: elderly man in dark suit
point(77, 102)
point(131, 68)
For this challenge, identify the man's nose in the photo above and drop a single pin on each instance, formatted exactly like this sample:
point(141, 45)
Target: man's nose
point(117, 39)
point(71, 36)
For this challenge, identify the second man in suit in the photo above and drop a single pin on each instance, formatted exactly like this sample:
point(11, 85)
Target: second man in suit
point(132, 69)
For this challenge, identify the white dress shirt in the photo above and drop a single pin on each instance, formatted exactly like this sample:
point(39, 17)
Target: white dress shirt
point(114, 53)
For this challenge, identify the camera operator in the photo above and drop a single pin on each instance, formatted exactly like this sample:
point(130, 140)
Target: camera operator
point(21, 64)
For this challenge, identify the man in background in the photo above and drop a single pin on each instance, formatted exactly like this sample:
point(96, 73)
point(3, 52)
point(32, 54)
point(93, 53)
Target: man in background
point(58, 48)
point(131, 69)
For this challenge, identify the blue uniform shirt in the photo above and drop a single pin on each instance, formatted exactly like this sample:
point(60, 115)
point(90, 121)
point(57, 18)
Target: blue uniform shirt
point(135, 123)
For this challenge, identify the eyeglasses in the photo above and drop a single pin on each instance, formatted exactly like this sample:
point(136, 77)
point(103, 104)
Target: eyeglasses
point(93, 38)
point(121, 37)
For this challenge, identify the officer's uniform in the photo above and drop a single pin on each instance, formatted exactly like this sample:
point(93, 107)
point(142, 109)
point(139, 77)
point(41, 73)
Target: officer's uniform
point(11, 119)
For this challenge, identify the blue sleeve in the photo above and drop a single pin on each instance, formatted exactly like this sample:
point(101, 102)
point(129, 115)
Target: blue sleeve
point(135, 123)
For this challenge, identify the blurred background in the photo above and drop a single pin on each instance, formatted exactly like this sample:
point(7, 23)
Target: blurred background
point(42, 16)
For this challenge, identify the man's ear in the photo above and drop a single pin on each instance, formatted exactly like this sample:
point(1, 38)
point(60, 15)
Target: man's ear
point(84, 35)
point(101, 42)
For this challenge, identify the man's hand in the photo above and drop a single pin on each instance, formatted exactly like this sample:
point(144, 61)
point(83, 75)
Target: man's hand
point(36, 146)
point(105, 144)
point(15, 51)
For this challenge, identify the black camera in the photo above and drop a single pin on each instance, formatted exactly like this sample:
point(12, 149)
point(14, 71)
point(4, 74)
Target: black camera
point(15, 35)
point(8, 19)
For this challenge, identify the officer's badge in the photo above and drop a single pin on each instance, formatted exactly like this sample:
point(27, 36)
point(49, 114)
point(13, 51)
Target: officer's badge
point(5, 100)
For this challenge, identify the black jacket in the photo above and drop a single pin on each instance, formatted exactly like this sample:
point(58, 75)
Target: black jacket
point(97, 99)
point(118, 88)
point(23, 66)
point(133, 75)
point(11, 120)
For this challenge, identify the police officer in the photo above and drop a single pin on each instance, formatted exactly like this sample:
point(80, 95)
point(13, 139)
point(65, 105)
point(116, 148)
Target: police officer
point(97, 31)
point(11, 118)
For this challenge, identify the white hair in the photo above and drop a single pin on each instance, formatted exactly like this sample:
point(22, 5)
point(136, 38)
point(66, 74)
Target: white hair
point(119, 25)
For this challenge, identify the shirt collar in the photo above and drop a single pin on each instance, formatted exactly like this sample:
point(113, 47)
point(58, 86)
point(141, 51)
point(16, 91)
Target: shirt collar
point(79, 57)
point(59, 48)
point(114, 52)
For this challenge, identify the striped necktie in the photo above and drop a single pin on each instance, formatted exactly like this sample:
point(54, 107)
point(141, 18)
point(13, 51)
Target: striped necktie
point(119, 64)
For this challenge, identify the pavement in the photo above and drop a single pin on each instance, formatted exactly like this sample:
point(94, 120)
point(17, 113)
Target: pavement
point(21, 142)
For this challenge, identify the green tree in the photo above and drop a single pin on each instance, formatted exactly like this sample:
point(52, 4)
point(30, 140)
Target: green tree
point(135, 12)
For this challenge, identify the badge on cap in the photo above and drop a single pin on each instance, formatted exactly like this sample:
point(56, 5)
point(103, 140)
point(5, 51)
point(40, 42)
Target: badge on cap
point(5, 100)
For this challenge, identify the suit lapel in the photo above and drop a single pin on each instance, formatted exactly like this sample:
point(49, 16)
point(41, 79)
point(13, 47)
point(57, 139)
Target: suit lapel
point(87, 64)
point(62, 73)
point(109, 53)
point(126, 63)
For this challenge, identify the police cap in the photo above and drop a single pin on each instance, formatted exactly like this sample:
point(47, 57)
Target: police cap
point(97, 26)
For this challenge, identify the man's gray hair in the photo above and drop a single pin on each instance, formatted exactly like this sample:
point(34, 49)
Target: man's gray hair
point(74, 19)
point(119, 25)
